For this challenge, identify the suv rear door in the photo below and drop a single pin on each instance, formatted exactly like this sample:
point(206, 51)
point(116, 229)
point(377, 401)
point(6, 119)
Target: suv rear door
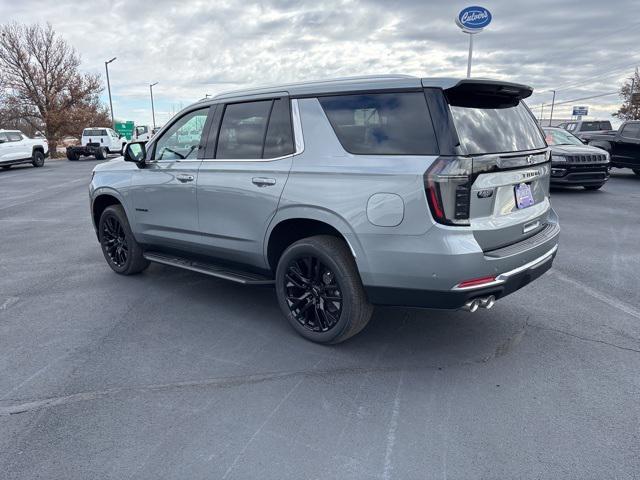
point(241, 178)
point(508, 199)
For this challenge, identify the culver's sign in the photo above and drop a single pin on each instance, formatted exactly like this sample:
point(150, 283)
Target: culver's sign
point(473, 19)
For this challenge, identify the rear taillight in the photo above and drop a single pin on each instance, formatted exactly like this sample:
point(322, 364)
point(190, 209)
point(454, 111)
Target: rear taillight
point(448, 187)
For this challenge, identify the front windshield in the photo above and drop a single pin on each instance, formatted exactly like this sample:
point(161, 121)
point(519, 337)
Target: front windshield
point(560, 137)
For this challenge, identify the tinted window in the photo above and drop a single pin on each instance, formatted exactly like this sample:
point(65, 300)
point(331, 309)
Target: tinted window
point(483, 128)
point(3, 137)
point(14, 136)
point(242, 130)
point(631, 130)
point(279, 139)
point(94, 132)
point(182, 139)
point(560, 137)
point(382, 124)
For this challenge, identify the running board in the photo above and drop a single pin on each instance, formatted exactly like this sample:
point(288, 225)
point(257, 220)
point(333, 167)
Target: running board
point(219, 271)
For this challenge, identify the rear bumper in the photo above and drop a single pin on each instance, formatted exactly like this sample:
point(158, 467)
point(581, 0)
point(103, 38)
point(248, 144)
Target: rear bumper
point(579, 175)
point(424, 271)
point(506, 283)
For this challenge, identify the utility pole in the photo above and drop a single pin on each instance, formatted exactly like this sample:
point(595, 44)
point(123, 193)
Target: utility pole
point(153, 112)
point(106, 67)
point(632, 108)
point(552, 104)
point(541, 113)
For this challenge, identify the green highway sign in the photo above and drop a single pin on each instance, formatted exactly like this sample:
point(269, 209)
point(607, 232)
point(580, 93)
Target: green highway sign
point(125, 129)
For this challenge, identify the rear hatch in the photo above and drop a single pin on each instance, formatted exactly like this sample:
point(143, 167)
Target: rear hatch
point(95, 136)
point(498, 180)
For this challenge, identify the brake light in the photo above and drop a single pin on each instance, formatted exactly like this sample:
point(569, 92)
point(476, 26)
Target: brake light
point(448, 188)
point(475, 282)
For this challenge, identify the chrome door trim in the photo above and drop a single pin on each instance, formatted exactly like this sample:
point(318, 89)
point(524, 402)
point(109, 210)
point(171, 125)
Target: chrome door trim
point(298, 140)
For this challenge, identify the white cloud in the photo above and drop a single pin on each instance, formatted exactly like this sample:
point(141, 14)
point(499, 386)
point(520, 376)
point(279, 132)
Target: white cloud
point(197, 47)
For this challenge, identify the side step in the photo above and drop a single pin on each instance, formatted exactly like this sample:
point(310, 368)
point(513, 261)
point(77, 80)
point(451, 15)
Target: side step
point(219, 271)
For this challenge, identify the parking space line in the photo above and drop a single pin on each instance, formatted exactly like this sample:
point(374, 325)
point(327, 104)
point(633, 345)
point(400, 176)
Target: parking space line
point(603, 297)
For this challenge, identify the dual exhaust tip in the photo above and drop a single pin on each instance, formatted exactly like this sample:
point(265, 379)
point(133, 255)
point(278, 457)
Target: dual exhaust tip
point(480, 302)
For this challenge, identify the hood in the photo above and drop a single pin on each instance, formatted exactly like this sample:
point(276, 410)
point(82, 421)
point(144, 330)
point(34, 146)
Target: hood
point(115, 164)
point(575, 150)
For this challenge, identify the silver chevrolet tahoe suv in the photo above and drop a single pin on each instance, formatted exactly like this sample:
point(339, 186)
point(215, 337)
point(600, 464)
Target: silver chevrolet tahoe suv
point(344, 194)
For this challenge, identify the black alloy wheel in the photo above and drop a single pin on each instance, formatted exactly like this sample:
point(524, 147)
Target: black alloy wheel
point(313, 294)
point(114, 241)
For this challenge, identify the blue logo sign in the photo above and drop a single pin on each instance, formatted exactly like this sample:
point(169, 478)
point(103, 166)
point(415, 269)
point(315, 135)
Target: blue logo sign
point(473, 19)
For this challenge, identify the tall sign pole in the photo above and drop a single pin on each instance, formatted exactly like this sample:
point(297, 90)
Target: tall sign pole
point(472, 20)
point(106, 67)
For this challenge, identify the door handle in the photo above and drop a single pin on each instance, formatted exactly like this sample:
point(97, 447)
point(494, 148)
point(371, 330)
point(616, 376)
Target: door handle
point(263, 181)
point(183, 177)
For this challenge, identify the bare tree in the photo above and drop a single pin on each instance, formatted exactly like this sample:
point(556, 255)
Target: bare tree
point(630, 94)
point(41, 82)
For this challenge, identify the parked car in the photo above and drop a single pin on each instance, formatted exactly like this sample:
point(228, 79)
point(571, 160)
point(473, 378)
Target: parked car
point(16, 148)
point(344, 194)
point(580, 127)
point(623, 145)
point(98, 142)
point(575, 164)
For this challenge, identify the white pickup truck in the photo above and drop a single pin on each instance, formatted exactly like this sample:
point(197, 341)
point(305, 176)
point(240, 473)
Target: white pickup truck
point(16, 148)
point(98, 142)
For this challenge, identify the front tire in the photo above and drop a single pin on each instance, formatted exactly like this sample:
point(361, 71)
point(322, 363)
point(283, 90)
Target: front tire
point(119, 247)
point(636, 171)
point(6, 167)
point(319, 290)
point(38, 159)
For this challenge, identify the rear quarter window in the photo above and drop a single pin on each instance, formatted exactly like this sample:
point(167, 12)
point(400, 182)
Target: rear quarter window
point(382, 123)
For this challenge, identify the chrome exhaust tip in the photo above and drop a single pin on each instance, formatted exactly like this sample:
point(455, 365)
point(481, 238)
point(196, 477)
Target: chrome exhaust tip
point(471, 305)
point(488, 302)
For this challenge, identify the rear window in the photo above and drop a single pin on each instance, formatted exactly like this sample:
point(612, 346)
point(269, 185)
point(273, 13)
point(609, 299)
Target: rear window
point(488, 126)
point(94, 132)
point(594, 126)
point(631, 130)
point(382, 124)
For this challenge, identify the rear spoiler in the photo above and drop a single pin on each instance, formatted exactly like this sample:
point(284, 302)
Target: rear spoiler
point(486, 93)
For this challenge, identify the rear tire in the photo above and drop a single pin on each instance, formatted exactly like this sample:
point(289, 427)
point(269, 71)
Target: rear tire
point(636, 171)
point(593, 187)
point(38, 159)
point(119, 247)
point(6, 167)
point(72, 156)
point(101, 154)
point(319, 290)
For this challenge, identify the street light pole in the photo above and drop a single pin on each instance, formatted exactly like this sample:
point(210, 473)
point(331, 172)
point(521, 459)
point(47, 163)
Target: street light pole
point(106, 67)
point(153, 112)
point(552, 104)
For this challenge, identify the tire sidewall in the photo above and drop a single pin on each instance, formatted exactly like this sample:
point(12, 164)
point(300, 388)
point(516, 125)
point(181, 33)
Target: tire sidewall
point(115, 213)
point(300, 249)
point(38, 159)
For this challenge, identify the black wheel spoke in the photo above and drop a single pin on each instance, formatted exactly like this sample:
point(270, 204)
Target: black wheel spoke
point(114, 241)
point(313, 294)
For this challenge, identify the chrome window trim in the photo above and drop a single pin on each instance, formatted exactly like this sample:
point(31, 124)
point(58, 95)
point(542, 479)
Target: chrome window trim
point(298, 141)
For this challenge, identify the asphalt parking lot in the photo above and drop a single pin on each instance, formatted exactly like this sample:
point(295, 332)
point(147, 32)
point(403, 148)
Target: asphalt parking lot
point(171, 374)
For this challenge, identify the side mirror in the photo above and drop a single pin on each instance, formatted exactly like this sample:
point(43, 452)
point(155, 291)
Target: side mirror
point(135, 152)
point(2, 140)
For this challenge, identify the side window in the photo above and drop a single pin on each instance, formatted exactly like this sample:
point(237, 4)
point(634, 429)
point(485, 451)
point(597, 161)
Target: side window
point(382, 123)
point(14, 136)
point(243, 130)
point(631, 130)
point(182, 139)
point(3, 137)
point(279, 139)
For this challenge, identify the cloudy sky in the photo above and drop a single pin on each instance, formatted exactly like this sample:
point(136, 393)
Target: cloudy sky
point(192, 48)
